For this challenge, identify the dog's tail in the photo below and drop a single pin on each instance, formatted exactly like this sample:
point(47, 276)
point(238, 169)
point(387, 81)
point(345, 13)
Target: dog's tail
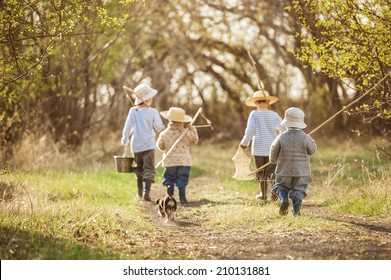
point(168, 190)
point(171, 203)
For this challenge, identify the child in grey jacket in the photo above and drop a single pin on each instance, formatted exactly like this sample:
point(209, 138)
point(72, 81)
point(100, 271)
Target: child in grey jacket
point(291, 151)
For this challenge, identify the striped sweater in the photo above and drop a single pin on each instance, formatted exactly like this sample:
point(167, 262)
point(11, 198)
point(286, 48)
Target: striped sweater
point(291, 151)
point(142, 124)
point(262, 129)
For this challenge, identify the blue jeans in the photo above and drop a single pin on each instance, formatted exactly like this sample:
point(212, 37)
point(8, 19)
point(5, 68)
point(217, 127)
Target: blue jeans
point(176, 175)
point(293, 187)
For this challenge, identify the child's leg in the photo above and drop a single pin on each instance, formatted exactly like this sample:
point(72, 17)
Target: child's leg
point(270, 178)
point(281, 189)
point(140, 186)
point(169, 178)
point(148, 167)
point(296, 207)
point(148, 172)
point(298, 193)
point(139, 173)
point(147, 189)
point(183, 174)
point(263, 188)
point(261, 177)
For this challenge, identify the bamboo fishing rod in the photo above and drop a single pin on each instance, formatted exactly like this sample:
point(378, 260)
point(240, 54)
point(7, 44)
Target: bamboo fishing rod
point(256, 71)
point(128, 89)
point(333, 116)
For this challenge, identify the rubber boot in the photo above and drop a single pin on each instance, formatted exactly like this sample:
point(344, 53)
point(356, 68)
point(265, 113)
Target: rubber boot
point(182, 195)
point(284, 202)
point(296, 207)
point(140, 187)
point(170, 190)
point(274, 196)
point(263, 187)
point(147, 189)
point(264, 190)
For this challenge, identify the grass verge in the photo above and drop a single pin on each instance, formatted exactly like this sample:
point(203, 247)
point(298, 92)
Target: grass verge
point(52, 214)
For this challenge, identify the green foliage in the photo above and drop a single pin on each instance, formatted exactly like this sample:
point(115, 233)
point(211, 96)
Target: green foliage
point(347, 38)
point(350, 40)
point(41, 44)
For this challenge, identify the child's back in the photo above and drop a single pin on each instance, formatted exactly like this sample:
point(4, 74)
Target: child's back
point(291, 151)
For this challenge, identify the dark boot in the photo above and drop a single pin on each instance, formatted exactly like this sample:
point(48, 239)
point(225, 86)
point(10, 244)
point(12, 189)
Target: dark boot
point(140, 187)
point(284, 202)
point(263, 189)
point(170, 190)
point(147, 189)
point(271, 178)
point(182, 195)
point(296, 207)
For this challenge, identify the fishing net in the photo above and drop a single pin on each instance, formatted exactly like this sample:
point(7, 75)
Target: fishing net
point(242, 163)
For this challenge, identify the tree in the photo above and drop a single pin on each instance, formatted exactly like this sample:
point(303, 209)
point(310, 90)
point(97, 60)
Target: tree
point(351, 44)
point(46, 66)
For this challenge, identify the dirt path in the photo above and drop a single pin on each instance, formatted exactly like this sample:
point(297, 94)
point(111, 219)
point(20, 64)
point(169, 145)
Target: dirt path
point(360, 238)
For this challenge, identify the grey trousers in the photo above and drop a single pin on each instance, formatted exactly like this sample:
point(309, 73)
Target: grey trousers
point(145, 165)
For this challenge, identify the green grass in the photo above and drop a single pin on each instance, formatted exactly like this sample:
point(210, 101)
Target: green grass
point(55, 214)
point(352, 179)
point(89, 215)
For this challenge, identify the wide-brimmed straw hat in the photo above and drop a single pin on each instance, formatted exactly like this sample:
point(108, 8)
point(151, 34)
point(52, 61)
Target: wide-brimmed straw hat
point(259, 96)
point(143, 92)
point(294, 117)
point(176, 114)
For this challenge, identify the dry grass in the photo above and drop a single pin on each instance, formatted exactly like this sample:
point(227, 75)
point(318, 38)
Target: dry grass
point(56, 206)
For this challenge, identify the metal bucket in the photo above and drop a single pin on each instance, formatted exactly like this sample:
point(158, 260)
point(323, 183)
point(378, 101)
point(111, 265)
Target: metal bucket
point(124, 164)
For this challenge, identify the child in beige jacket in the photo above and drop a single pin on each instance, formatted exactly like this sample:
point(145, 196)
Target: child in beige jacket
point(177, 163)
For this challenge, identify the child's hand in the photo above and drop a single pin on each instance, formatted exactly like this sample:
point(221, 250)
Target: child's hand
point(190, 126)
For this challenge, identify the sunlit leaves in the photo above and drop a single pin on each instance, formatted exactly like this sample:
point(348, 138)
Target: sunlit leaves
point(349, 39)
point(352, 34)
point(36, 38)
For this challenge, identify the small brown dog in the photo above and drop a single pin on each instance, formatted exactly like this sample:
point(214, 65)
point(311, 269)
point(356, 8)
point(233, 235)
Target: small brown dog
point(167, 207)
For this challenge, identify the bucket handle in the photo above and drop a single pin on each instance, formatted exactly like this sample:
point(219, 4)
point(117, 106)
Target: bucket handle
point(127, 151)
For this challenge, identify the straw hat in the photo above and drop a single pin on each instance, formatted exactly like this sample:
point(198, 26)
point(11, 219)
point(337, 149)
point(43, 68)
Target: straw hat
point(176, 114)
point(258, 96)
point(294, 117)
point(143, 92)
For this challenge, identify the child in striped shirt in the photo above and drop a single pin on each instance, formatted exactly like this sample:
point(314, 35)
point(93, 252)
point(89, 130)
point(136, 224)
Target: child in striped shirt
point(143, 122)
point(263, 126)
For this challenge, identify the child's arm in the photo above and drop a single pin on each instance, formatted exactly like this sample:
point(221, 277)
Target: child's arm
point(160, 142)
point(128, 126)
point(158, 124)
point(311, 146)
point(192, 134)
point(250, 131)
point(274, 150)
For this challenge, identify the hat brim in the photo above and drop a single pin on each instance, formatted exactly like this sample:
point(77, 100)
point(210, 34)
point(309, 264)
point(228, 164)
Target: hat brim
point(148, 96)
point(289, 123)
point(186, 118)
point(250, 101)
